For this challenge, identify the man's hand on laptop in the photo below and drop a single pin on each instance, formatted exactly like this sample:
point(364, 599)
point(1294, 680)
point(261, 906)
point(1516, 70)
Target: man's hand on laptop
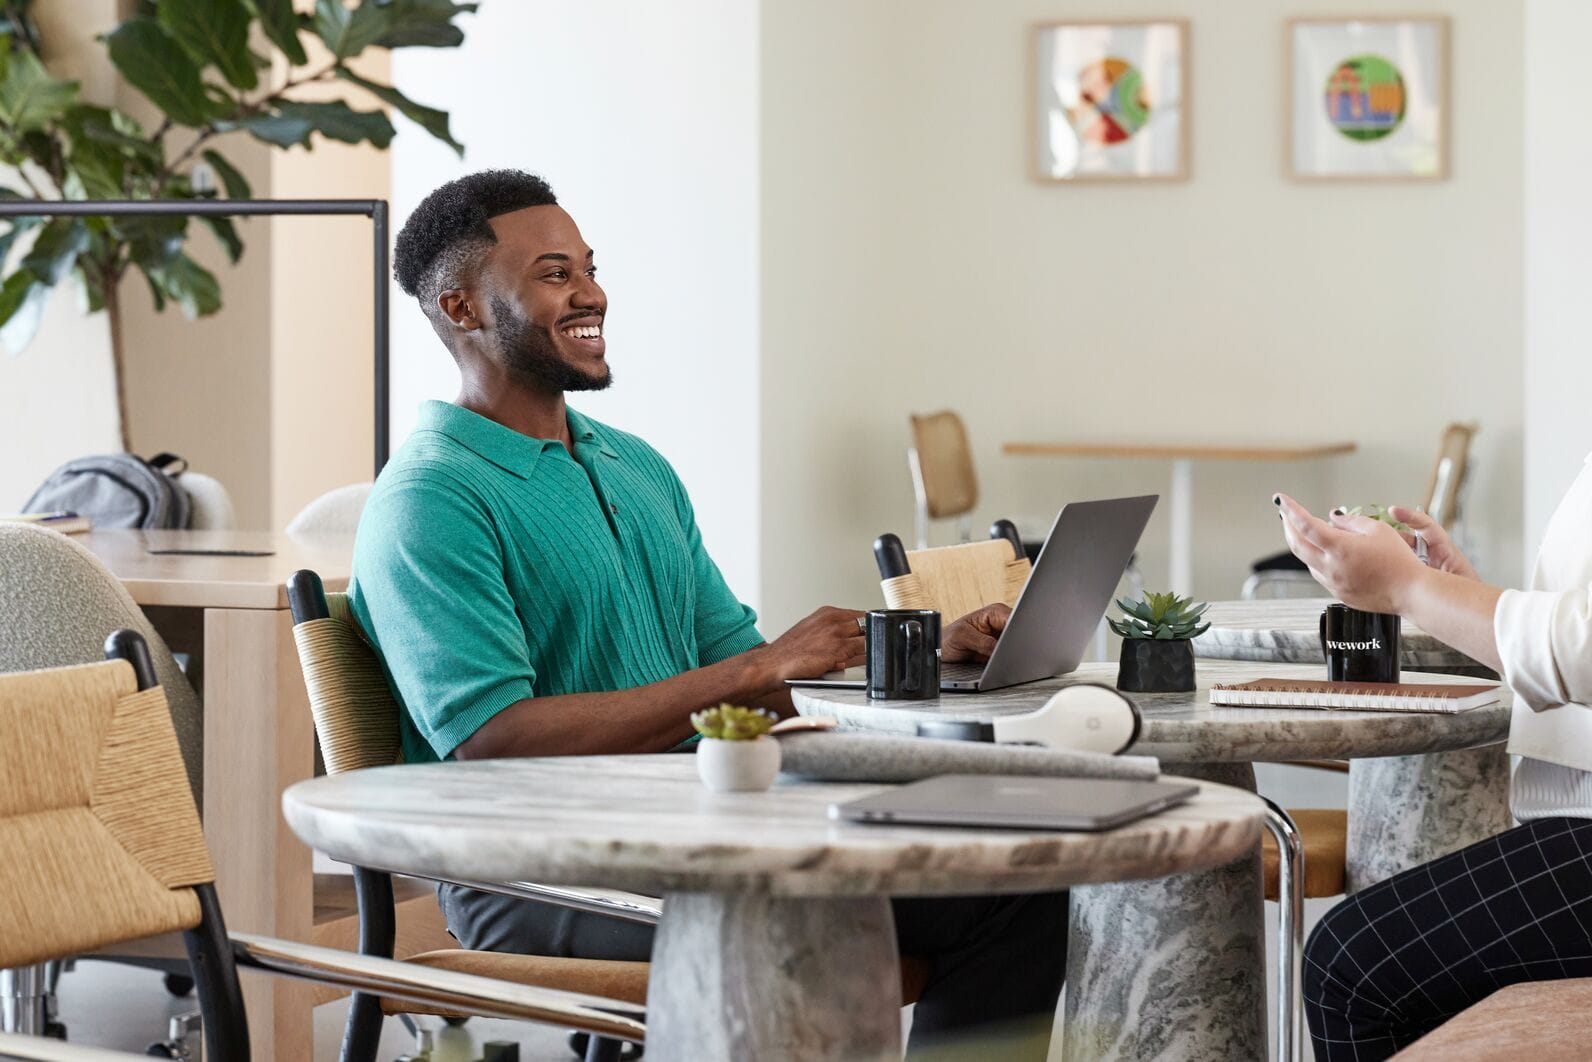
point(971, 639)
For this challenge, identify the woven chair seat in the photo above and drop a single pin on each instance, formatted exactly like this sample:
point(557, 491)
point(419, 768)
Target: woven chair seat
point(625, 981)
point(1545, 1021)
point(1325, 833)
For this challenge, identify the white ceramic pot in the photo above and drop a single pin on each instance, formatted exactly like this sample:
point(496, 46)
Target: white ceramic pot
point(738, 766)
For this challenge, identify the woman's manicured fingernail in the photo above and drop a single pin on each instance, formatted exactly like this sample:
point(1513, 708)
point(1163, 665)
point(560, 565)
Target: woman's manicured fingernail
point(1340, 511)
point(1276, 499)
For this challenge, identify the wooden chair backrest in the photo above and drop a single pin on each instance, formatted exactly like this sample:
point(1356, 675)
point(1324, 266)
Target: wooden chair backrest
point(1449, 473)
point(956, 580)
point(945, 461)
point(356, 715)
point(101, 837)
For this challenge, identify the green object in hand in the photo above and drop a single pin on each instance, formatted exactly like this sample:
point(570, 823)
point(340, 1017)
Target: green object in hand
point(728, 722)
point(1162, 617)
point(1377, 512)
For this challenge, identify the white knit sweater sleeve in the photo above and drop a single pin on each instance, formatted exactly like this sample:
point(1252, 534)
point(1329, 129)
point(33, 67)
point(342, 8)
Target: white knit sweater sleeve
point(1545, 643)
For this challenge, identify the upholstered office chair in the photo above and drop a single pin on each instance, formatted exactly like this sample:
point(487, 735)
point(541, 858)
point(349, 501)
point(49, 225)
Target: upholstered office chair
point(1284, 575)
point(59, 603)
point(104, 845)
point(210, 504)
point(335, 512)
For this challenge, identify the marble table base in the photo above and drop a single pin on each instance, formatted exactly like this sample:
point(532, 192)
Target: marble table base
point(1409, 810)
point(1172, 968)
point(745, 977)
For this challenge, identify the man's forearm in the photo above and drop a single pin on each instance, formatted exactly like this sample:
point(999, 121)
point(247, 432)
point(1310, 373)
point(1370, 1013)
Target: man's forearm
point(1458, 612)
point(651, 718)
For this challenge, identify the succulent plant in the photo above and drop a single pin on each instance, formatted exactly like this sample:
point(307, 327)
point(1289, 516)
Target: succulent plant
point(728, 722)
point(1377, 512)
point(1162, 617)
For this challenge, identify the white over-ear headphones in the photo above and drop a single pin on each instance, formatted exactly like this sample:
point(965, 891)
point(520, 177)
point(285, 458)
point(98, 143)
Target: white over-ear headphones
point(1086, 717)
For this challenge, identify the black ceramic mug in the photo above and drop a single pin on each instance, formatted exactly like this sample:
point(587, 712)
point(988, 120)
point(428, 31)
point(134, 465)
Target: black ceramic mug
point(1360, 646)
point(903, 654)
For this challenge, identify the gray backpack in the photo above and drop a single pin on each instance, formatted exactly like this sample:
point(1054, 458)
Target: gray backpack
point(118, 490)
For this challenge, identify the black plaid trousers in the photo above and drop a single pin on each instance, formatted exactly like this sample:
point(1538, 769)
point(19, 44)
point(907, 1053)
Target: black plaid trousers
point(1396, 960)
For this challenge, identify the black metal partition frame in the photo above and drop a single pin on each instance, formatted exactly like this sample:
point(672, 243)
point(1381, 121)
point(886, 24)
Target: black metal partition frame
point(374, 209)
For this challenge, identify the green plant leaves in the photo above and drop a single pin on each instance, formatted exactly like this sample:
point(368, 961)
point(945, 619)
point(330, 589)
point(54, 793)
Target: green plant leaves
point(1163, 617)
point(52, 254)
point(281, 24)
point(22, 300)
point(234, 182)
point(423, 23)
point(214, 33)
point(186, 283)
point(293, 122)
point(347, 31)
point(154, 64)
point(227, 234)
point(430, 119)
point(29, 97)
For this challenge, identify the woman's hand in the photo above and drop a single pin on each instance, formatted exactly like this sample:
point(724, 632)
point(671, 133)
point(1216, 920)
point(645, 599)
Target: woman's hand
point(1440, 550)
point(1363, 562)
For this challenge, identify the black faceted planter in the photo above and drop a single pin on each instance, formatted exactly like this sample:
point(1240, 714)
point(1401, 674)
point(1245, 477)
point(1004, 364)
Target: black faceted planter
point(1150, 666)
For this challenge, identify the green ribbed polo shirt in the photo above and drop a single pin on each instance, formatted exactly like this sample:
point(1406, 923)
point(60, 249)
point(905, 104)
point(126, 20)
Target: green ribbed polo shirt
point(490, 567)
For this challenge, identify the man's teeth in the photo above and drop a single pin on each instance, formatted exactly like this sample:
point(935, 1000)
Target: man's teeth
point(585, 332)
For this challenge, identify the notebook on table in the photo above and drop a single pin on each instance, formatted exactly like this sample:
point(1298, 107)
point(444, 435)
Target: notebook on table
point(1355, 696)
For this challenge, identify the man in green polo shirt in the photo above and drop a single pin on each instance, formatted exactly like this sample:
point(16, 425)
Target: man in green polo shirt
point(536, 585)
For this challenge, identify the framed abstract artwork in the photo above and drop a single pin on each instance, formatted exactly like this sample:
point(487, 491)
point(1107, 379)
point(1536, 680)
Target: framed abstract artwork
point(1369, 99)
point(1110, 101)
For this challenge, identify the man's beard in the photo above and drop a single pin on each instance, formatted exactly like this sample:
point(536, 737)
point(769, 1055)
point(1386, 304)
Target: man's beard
point(528, 352)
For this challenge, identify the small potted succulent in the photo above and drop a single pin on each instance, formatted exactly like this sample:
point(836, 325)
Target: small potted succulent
point(1157, 656)
point(736, 753)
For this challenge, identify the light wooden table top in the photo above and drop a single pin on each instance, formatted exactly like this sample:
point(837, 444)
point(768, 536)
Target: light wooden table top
point(194, 580)
point(1178, 452)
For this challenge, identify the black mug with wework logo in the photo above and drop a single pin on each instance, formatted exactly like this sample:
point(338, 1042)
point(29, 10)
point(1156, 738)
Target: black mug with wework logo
point(1360, 646)
point(903, 654)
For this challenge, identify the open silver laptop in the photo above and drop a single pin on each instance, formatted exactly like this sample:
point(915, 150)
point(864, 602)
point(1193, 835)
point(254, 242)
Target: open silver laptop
point(1016, 801)
point(1083, 559)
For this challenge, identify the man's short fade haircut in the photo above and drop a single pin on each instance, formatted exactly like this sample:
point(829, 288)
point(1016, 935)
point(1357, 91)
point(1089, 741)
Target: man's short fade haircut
point(449, 229)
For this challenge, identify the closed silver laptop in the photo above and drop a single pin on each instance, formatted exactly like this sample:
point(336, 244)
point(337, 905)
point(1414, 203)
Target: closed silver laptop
point(1017, 802)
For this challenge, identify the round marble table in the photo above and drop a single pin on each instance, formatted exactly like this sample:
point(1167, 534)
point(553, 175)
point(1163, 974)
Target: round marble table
point(1197, 938)
point(1287, 631)
point(776, 940)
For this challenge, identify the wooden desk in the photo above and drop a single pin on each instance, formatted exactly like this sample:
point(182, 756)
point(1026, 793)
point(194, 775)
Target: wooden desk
point(1180, 498)
point(231, 614)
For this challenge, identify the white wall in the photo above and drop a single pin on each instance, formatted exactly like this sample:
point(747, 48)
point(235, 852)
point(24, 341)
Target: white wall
point(643, 117)
point(1558, 154)
point(911, 264)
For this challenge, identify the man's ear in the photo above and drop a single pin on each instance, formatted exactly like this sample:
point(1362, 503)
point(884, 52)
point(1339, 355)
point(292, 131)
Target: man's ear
point(459, 306)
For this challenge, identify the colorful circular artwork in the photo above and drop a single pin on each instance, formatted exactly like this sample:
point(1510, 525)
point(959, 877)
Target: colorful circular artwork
point(1112, 105)
point(1365, 97)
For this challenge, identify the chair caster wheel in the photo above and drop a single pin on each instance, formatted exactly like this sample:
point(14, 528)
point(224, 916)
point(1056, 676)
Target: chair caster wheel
point(169, 1049)
point(179, 985)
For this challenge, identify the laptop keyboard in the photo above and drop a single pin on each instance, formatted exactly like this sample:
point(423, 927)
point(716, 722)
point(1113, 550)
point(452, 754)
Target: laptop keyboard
point(961, 672)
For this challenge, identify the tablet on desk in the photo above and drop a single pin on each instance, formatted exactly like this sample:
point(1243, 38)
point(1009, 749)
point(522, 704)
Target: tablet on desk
point(171, 551)
point(1016, 802)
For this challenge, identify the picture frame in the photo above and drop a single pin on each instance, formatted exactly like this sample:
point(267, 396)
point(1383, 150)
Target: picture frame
point(1108, 100)
point(1368, 98)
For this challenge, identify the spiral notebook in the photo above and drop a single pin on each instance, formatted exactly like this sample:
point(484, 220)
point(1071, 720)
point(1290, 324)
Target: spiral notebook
point(1354, 696)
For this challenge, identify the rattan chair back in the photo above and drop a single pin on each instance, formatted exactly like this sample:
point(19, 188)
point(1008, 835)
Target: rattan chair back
point(945, 463)
point(356, 715)
point(956, 580)
point(102, 839)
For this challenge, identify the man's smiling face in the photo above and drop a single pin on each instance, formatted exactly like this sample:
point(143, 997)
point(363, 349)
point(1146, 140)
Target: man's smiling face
point(547, 308)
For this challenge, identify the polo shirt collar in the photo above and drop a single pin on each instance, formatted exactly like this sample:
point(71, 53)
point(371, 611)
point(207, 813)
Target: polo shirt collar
point(504, 447)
